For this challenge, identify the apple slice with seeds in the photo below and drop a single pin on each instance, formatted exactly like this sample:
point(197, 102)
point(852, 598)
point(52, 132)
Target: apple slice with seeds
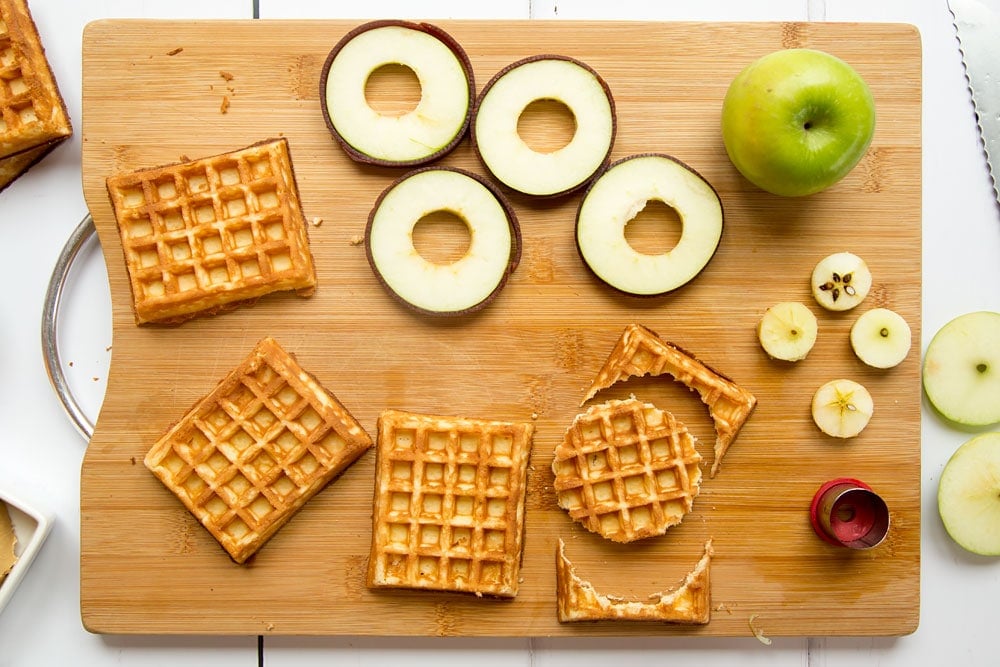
point(509, 93)
point(429, 130)
point(618, 194)
point(447, 287)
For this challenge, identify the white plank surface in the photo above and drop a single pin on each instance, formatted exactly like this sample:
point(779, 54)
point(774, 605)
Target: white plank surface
point(41, 452)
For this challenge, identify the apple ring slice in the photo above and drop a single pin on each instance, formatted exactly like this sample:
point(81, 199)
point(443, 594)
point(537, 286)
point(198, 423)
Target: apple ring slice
point(454, 288)
point(504, 99)
point(430, 130)
point(618, 194)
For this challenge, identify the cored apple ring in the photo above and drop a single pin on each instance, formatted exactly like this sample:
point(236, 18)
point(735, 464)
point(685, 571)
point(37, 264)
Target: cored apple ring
point(438, 122)
point(452, 288)
point(618, 194)
point(545, 77)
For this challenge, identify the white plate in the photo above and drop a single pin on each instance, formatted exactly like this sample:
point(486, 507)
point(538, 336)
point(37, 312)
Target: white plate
point(31, 528)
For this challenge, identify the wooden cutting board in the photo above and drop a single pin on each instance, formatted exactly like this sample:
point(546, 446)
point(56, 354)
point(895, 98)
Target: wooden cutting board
point(153, 91)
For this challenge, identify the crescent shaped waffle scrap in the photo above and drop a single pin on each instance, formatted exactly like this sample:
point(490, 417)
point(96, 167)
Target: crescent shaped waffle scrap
point(208, 235)
point(578, 600)
point(640, 351)
point(627, 470)
point(33, 117)
point(449, 503)
point(251, 453)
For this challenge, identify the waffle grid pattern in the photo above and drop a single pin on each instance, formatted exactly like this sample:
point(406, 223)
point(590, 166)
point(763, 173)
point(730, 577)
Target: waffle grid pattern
point(641, 352)
point(32, 115)
point(212, 231)
point(256, 449)
point(627, 470)
point(449, 505)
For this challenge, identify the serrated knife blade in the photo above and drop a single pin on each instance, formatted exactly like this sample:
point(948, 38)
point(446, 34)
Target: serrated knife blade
point(978, 25)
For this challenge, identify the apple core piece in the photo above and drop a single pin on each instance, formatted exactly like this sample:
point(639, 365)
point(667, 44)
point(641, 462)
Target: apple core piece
point(969, 495)
point(840, 281)
point(621, 192)
point(961, 372)
point(444, 288)
point(842, 408)
point(787, 331)
point(881, 338)
point(504, 99)
point(428, 131)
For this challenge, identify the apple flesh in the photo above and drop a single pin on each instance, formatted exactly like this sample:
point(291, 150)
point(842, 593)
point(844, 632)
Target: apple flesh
point(502, 102)
point(969, 495)
point(621, 192)
point(448, 288)
point(961, 371)
point(796, 121)
point(438, 122)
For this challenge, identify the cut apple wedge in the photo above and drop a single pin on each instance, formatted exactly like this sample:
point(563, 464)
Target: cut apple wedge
point(622, 191)
point(443, 288)
point(969, 495)
point(787, 331)
point(842, 408)
point(961, 372)
point(432, 128)
point(881, 338)
point(504, 99)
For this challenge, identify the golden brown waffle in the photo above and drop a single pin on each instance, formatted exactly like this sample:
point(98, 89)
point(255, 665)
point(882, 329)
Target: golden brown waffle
point(690, 603)
point(449, 503)
point(627, 470)
point(33, 117)
point(641, 352)
point(210, 234)
point(255, 449)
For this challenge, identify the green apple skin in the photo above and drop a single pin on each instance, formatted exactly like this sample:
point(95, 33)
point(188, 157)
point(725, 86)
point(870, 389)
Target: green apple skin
point(796, 121)
point(969, 495)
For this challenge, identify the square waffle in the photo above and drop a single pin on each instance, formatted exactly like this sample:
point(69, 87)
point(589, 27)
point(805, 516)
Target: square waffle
point(627, 470)
point(256, 449)
point(689, 603)
point(449, 503)
point(33, 117)
point(210, 234)
point(640, 352)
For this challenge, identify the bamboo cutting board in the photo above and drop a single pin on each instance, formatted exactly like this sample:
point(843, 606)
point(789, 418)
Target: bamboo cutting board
point(153, 91)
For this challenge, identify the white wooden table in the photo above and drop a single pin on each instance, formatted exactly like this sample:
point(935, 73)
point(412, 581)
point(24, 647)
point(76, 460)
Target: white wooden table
point(41, 453)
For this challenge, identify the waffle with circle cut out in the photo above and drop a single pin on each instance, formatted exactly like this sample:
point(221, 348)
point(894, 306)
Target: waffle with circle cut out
point(211, 234)
point(640, 351)
point(449, 503)
point(256, 449)
point(33, 117)
point(627, 470)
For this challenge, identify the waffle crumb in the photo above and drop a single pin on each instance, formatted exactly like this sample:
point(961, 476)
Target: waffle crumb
point(224, 107)
point(226, 75)
point(174, 52)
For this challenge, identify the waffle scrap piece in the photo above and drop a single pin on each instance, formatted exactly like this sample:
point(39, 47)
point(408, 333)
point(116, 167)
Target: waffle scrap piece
point(449, 503)
point(211, 234)
point(640, 352)
point(578, 600)
point(256, 449)
point(627, 470)
point(33, 117)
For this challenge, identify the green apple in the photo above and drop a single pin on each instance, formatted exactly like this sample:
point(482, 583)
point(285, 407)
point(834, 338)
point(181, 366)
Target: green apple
point(969, 495)
point(796, 121)
point(961, 372)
